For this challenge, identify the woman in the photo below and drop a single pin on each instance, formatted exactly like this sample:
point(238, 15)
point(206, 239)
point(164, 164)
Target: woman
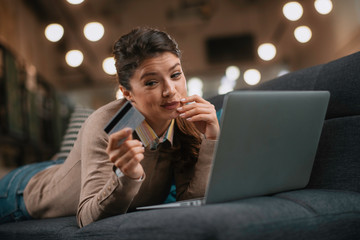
point(175, 143)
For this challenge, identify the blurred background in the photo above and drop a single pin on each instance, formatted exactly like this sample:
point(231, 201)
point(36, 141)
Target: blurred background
point(55, 55)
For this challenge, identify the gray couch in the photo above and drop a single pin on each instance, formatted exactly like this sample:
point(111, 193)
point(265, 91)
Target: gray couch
point(328, 208)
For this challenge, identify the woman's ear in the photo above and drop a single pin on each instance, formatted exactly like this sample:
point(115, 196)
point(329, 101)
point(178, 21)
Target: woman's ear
point(126, 93)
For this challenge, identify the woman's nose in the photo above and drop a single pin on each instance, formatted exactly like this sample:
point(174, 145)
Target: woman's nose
point(169, 89)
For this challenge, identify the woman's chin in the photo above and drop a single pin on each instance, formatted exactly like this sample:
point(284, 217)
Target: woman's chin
point(167, 116)
point(174, 115)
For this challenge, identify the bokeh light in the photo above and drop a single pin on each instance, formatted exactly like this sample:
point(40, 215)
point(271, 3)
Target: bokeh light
point(109, 66)
point(75, 2)
point(119, 94)
point(74, 58)
point(293, 11)
point(54, 32)
point(323, 6)
point(227, 85)
point(283, 72)
point(303, 34)
point(252, 76)
point(232, 73)
point(267, 51)
point(94, 31)
point(195, 86)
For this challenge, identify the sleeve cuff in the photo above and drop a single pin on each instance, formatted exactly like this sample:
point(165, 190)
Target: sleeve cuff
point(120, 174)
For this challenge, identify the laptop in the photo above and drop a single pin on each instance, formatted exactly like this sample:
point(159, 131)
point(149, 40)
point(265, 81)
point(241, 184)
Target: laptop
point(267, 144)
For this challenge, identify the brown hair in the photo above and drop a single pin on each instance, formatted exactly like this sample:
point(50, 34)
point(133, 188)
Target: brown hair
point(188, 137)
point(129, 52)
point(138, 45)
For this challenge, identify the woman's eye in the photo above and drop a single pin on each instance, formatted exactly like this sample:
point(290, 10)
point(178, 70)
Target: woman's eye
point(150, 83)
point(176, 75)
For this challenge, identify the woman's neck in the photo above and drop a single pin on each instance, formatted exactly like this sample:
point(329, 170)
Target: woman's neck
point(159, 128)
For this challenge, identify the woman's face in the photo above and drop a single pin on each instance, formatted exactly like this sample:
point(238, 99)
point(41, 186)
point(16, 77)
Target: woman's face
point(157, 86)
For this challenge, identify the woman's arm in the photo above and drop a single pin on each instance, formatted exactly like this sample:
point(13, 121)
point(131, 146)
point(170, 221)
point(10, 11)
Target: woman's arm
point(103, 193)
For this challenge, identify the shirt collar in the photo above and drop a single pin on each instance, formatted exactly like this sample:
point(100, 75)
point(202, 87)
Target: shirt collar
point(148, 136)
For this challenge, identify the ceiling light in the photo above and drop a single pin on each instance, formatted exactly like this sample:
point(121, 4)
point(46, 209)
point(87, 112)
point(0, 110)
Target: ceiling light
point(109, 66)
point(303, 34)
point(74, 2)
point(323, 6)
point(267, 51)
point(54, 32)
point(94, 31)
point(232, 73)
point(195, 86)
point(252, 76)
point(74, 58)
point(293, 11)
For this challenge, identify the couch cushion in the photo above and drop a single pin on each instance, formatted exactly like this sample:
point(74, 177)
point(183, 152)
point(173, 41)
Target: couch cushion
point(342, 78)
point(337, 162)
point(302, 214)
point(56, 228)
point(329, 202)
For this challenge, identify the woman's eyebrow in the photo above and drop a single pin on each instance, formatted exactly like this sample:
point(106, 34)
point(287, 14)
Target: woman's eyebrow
point(146, 74)
point(175, 65)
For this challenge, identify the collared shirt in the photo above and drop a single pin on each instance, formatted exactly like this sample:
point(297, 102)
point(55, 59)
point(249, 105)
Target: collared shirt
point(149, 138)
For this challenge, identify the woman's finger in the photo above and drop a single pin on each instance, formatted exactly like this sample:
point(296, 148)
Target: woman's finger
point(190, 112)
point(202, 113)
point(118, 152)
point(131, 167)
point(126, 147)
point(125, 157)
point(115, 138)
point(205, 106)
point(193, 98)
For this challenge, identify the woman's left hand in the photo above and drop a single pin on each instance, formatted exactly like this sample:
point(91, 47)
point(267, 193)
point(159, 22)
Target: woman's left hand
point(202, 114)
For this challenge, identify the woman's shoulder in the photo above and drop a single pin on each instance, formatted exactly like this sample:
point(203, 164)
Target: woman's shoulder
point(100, 117)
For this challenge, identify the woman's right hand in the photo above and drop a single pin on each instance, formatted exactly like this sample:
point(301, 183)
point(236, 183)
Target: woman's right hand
point(128, 155)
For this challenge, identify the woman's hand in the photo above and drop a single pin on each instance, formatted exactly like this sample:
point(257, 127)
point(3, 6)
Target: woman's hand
point(202, 114)
point(128, 155)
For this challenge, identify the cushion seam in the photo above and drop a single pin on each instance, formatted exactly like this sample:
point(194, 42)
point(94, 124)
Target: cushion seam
point(300, 203)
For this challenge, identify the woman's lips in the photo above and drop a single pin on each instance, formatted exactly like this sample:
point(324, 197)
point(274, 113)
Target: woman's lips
point(171, 105)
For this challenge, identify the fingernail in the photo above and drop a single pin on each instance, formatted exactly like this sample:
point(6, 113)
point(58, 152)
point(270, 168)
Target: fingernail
point(182, 114)
point(179, 109)
point(188, 119)
point(182, 100)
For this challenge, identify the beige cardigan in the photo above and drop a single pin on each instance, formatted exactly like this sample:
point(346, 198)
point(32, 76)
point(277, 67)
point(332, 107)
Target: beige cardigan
point(86, 185)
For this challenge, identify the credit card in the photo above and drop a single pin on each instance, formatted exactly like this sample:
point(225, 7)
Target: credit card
point(127, 116)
